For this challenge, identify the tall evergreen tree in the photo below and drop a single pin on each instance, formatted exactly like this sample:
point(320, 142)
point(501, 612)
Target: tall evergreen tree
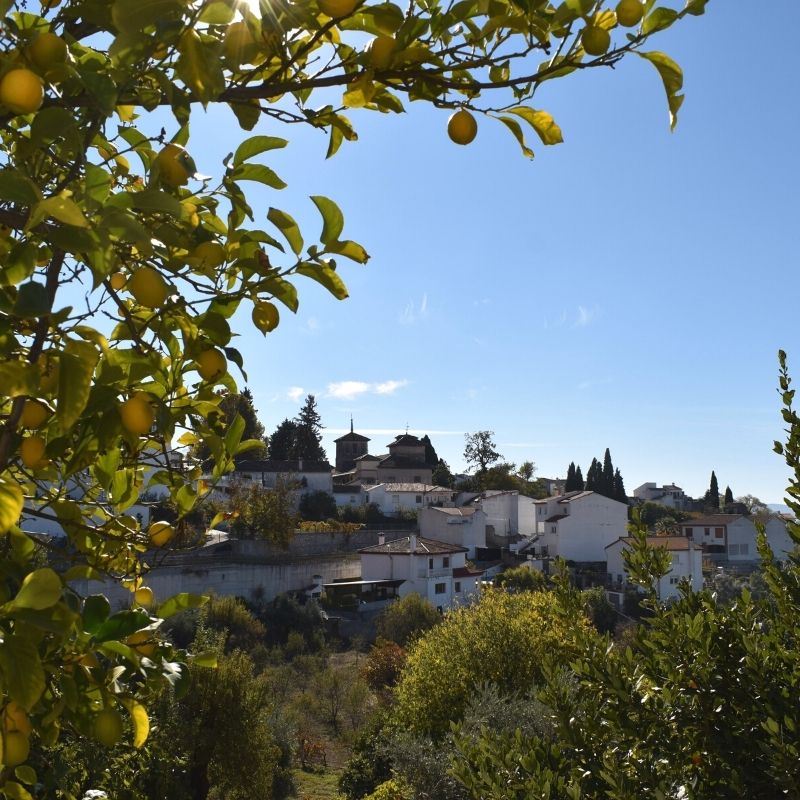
point(570, 485)
point(607, 485)
point(619, 488)
point(594, 477)
point(431, 458)
point(712, 495)
point(308, 436)
point(579, 484)
point(283, 443)
point(728, 496)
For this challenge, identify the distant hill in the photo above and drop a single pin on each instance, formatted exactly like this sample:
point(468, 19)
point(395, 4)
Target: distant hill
point(780, 508)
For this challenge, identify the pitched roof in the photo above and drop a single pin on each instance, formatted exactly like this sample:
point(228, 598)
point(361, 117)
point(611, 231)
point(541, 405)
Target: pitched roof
point(367, 457)
point(405, 439)
point(566, 497)
point(712, 519)
point(667, 542)
point(424, 547)
point(416, 488)
point(455, 512)
point(466, 572)
point(556, 517)
point(352, 437)
point(272, 465)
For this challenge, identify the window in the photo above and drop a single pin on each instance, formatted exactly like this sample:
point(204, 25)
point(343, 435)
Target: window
point(418, 499)
point(446, 561)
point(733, 549)
point(553, 529)
point(706, 531)
point(744, 549)
point(440, 588)
point(458, 587)
point(673, 580)
point(430, 563)
point(719, 533)
point(417, 479)
point(690, 532)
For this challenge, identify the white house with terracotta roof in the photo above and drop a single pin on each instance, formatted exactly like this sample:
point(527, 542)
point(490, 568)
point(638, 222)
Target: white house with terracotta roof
point(577, 526)
point(436, 570)
point(464, 526)
point(731, 538)
point(687, 563)
point(395, 498)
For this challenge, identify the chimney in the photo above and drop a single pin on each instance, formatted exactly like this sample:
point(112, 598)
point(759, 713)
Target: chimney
point(381, 538)
point(412, 542)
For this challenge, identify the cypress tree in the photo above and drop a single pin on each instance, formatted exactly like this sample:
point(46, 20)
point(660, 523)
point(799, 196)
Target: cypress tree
point(728, 496)
point(619, 488)
point(570, 483)
point(579, 484)
point(607, 484)
point(309, 439)
point(594, 477)
point(712, 495)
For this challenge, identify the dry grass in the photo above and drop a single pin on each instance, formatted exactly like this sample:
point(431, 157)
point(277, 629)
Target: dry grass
point(317, 785)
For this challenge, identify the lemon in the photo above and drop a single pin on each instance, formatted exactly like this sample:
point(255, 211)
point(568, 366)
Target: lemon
point(595, 40)
point(630, 13)
point(47, 51)
point(381, 50)
point(21, 91)
point(34, 414)
point(137, 414)
point(107, 727)
point(148, 288)
point(31, 451)
point(118, 281)
point(210, 254)
point(15, 718)
point(265, 316)
point(160, 533)
point(174, 165)
point(462, 127)
point(144, 596)
point(211, 364)
point(337, 8)
point(16, 748)
point(143, 642)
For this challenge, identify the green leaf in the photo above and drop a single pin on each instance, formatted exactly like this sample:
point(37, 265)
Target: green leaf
point(180, 602)
point(15, 791)
point(658, 20)
point(247, 114)
point(352, 250)
point(59, 207)
point(217, 12)
point(18, 378)
point(22, 545)
point(258, 173)
point(325, 276)
point(672, 77)
point(98, 183)
point(40, 589)
point(284, 291)
point(22, 670)
point(121, 624)
point(82, 572)
point(18, 188)
point(288, 227)
point(139, 720)
point(26, 774)
point(255, 145)
point(96, 609)
point(234, 434)
point(696, 7)
point(516, 129)
point(132, 16)
point(207, 659)
point(32, 300)
point(542, 122)
point(155, 200)
point(199, 67)
point(78, 360)
point(332, 219)
point(11, 503)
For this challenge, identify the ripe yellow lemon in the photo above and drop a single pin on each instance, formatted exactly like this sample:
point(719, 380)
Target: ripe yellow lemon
point(144, 596)
point(629, 13)
point(210, 254)
point(34, 414)
point(239, 46)
point(381, 51)
point(174, 165)
point(595, 40)
point(47, 51)
point(16, 748)
point(462, 127)
point(211, 364)
point(16, 719)
point(21, 91)
point(160, 533)
point(337, 8)
point(118, 281)
point(143, 642)
point(31, 451)
point(148, 288)
point(137, 414)
point(265, 316)
point(107, 727)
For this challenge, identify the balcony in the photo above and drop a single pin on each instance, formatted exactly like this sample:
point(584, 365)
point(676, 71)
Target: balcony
point(443, 572)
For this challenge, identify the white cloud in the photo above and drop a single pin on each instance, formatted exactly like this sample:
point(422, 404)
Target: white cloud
point(411, 313)
point(347, 390)
point(585, 316)
point(295, 392)
point(393, 431)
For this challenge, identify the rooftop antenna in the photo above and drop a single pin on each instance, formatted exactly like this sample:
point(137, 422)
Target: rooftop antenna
point(351, 423)
point(406, 427)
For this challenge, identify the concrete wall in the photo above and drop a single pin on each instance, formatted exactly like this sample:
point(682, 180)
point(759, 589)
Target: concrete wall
point(526, 510)
point(403, 475)
point(593, 522)
point(502, 512)
point(391, 502)
point(469, 531)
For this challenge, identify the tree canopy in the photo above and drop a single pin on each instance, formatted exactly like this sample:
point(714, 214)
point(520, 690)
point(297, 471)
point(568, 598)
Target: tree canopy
point(124, 265)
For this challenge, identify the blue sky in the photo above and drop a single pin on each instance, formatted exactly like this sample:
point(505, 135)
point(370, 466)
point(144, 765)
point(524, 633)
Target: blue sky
point(626, 289)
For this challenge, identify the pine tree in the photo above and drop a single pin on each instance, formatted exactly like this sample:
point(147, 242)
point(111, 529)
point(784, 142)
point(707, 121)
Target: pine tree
point(619, 488)
point(594, 477)
point(308, 438)
point(579, 484)
point(431, 458)
point(607, 485)
point(728, 496)
point(283, 443)
point(570, 485)
point(712, 495)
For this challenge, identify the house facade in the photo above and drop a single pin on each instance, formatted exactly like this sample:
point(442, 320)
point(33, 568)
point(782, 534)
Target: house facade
point(465, 527)
point(578, 526)
point(668, 495)
point(436, 570)
point(395, 498)
point(687, 563)
point(731, 538)
point(303, 475)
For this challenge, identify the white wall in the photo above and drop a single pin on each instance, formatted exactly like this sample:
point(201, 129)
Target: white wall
point(468, 531)
point(526, 515)
point(502, 512)
point(403, 475)
point(593, 522)
point(391, 501)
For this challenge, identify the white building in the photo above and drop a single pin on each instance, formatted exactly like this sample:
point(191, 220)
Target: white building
point(577, 526)
point(687, 562)
point(302, 475)
point(394, 498)
point(508, 513)
point(349, 494)
point(465, 527)
point(732, 537)
point(668, 495)
point(436, 570)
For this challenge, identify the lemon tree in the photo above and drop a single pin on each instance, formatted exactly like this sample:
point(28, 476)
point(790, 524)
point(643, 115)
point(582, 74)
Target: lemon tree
point(99, 190)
